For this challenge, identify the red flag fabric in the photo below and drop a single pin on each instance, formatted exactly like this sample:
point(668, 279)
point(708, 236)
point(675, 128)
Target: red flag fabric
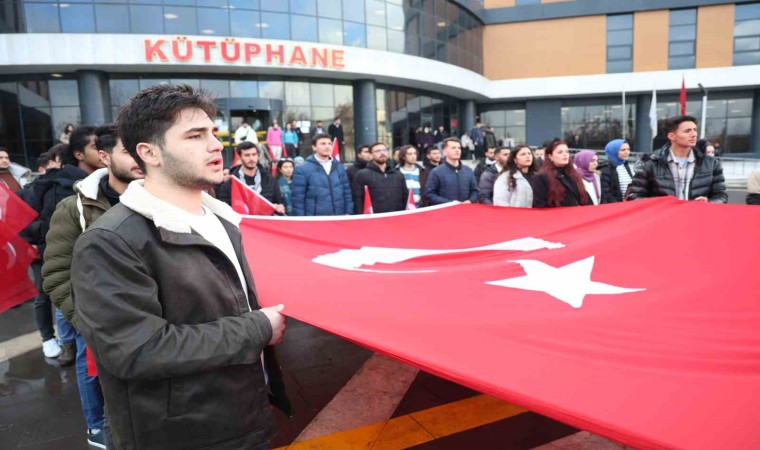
point(16, 255)
point(336, 150)
point(624, 319)
point(247, 202)
point(410, 203)
point(682, 99)
point(235, 159)
point(367, 201)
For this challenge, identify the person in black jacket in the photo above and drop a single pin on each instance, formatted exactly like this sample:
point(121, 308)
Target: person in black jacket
point(452, 180)
point(336, 132)
point(617, 174)
point(363, 156)
point(488, 161)
point(678, 169)
point(558, 183)
point(254, 176)
point(165, 298)
point(387, 186)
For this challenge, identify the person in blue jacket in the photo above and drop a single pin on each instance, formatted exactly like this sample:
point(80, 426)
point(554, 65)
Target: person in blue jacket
point(452, 180)
point(320, 185)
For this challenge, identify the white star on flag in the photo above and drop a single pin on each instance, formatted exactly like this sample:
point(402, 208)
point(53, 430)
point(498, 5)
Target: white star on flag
point(570, 283)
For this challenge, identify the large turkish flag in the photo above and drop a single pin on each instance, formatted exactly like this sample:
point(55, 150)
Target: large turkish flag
point(638, 321)
point(16, 255)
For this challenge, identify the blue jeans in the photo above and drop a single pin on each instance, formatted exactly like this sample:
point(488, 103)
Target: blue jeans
point(66, 332)
point(89, 389)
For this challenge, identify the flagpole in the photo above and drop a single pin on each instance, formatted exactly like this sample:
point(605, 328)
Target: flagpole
point(704, 110)
point(625, 119)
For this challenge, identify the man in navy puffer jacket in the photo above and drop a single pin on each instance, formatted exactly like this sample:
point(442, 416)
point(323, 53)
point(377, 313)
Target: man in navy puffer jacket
point(452, 180)
point(320, 185)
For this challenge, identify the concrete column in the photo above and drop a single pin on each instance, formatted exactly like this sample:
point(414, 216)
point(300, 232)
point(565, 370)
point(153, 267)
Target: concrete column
point(543, 121)
point(365, 113)
point(643, 132)
point(468, 116)
point(754, 131)
point(94, 97)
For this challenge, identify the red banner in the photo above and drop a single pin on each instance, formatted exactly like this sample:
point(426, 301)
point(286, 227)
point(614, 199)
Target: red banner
point(626, 320)
point(246, 201)
point(16, 255)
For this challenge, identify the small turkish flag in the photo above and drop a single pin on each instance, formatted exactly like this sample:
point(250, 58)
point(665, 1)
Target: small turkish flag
point(410, 203)
point(367, 201)
point(336, 150)
point(682, 99)
point(235, 159)
point(246, 201)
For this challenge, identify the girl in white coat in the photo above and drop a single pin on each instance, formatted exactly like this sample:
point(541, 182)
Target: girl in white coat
point(512, 187)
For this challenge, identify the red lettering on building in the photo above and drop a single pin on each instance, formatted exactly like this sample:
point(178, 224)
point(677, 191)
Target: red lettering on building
point(298, 57)
point(206, 46)
point(226, 49)
point(251, 50)
point(337, 59)
point(279, 53)
point(188, 49)
point(319, 57)
point(152, 50)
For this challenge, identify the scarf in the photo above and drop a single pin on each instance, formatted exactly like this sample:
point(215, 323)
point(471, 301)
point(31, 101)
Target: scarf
point(582, 161)
point(611, 149)
point(256, 180)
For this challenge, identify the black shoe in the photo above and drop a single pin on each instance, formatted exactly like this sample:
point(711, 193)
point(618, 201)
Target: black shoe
point(68, 354)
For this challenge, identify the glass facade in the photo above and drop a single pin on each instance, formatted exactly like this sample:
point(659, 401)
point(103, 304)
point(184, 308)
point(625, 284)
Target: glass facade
point(434, 29)
point(508, 121)
point(592, 123)
point(682, 38)
point(620, 43)
point(747, 34)
point(400, 112)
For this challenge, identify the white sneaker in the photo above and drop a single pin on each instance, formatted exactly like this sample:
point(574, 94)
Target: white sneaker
point(51, 349)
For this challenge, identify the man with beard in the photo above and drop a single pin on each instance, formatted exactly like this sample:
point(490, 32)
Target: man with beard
point(165, 298)
point(387, 186)
point(93, 196)
point(254, 176)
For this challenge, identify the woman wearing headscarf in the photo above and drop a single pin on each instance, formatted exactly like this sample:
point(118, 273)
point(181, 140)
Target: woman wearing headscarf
point(558, 183)
point(618, 174)
point(586, 162)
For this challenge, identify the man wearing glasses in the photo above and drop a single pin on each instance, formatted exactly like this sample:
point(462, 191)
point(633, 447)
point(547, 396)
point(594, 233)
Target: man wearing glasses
point(387, 186)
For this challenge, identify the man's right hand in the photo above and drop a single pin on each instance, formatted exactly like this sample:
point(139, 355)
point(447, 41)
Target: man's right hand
point(278, 322)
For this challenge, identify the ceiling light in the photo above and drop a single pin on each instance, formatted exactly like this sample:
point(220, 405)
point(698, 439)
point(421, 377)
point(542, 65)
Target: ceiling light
point(170, 16)
point(441, 24)
point(56, 75)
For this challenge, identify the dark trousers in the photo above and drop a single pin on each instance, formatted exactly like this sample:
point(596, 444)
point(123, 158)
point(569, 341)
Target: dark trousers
point(43, 309)
point(290, 151)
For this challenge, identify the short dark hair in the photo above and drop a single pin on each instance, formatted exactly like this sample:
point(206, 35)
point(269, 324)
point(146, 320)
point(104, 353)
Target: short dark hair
point(42, 160)
point(376, 144)
point(671, 124)
point(320, 136)
point(499, 149)
point(362, 147)
point(107, 135)
point(281, 163)
point(57, 151)
point(246, 145)
point(80, 137)
point(446, 141)
point(3, 149)
point(336, 118)
point(546, 144)
point(430, 148)
point(151, 112)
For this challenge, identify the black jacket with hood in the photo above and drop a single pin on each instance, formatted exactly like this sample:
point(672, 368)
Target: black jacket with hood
point(387, 190)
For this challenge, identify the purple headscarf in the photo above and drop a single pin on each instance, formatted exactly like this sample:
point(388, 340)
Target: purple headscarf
point(582, 161)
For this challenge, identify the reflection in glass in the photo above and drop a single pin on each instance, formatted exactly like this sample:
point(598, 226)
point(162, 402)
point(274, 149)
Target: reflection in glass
point(146, 19)
point(63, 93)
point(297, 93)
point(306, 7)
point(274, 5)
point(41, 18)
point(243, 23)
point(274, 26)
point(111, 18)
point(321, 95)
point(375, 12)
point(244, 88)
point(354, 34)
point(180, 20)
point(78, 19)
point(329, 8)
point(220, 88)
point(304, 28)
point(376, 38)
point(272, 89)
point(353, 10)
point(213, 21)
point(330, 31)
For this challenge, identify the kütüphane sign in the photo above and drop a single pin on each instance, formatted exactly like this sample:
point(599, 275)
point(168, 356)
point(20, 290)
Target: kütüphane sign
point(233, 51)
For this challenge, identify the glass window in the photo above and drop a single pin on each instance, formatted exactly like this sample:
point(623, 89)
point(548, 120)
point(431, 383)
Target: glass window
point(620, 22)
point(150, 82)
point(619, 43)
point(353, 10)
point(196, 84)
point(111, 18)
point(63, 116)
point(681, 48)
point(272, 89)
point(180, 20)
point(304, 28)
point(682, 34)
point(325, 114)
point(683, 17)
point(146, 19)
point(306, 7)
point(376, 38)
point(220, 88)
point(274, 5)
point(243, 23)
point(244, 88)
point(395, 17)
point(354, 34)
point(212, 21)
point(595, 125)
point(63, 92)
point(41, 18)
point(77, 18)
point(344, 94)
point(275, 26)
point(740, 107)
point(623, 52)
point(527, 2)
point(218, 3)
point(322, 95)
point(329, 8)
point(244, 4)
point(330, 31)
point(179, 2)
point(297, 93)
point(375, 12)
point(396, 43)
point(619, 37)
point(122, 91)
point(747, 34)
